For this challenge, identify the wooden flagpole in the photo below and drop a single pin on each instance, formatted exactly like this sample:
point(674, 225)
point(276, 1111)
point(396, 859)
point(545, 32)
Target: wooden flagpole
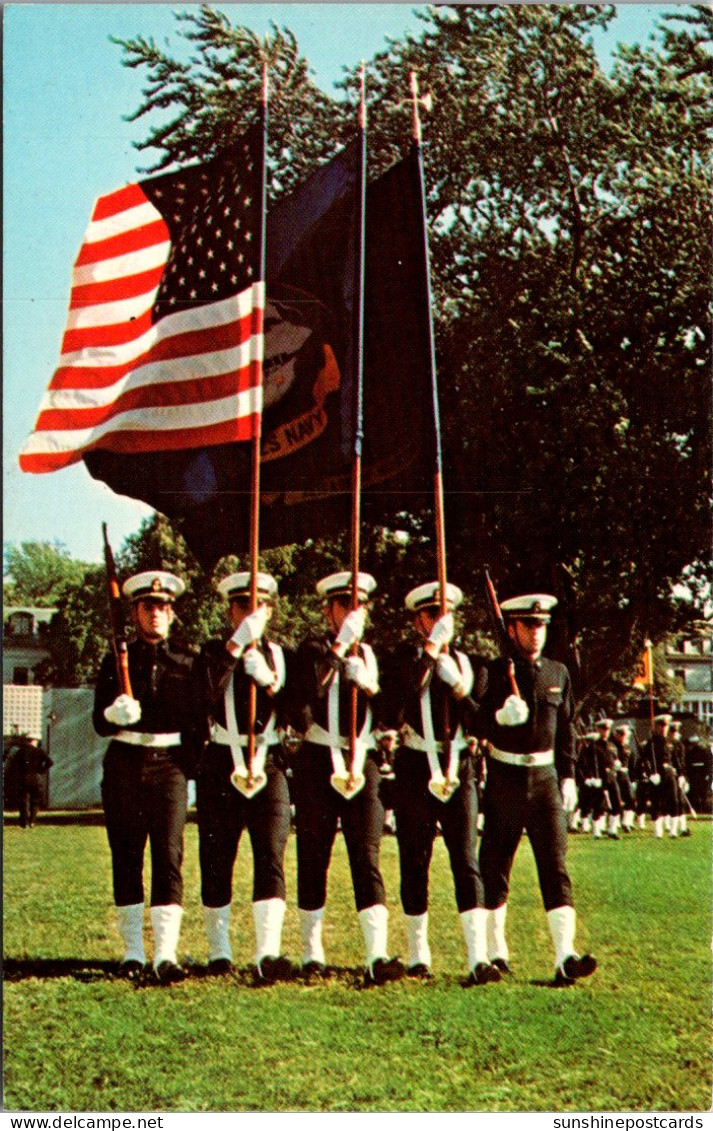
point(438, 475)
point(358, 405)
point(258, 321)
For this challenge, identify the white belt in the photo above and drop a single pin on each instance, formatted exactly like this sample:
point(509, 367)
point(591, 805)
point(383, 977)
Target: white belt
point(413, 740)
point(268, 737)
point(321, 737)
point(140, 738)
point(539, 758)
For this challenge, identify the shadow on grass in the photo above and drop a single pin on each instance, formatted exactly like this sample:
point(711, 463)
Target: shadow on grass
point(97, 970)
point(83, 969)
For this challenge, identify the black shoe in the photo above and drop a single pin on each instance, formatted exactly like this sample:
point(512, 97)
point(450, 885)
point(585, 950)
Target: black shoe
point(685, 832)
point(502, 965)
point(167, 973)
point(613, 836)
point(132, 969)
point(218, 966)
point(482, 973)
point(270, 970)
point(419, 970)
point(575, 966)
point(384, 970)
point(314, 972)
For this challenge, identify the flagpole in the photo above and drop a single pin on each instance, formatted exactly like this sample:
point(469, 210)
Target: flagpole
point(258, 315)
point(358, 402)
point(438, 474)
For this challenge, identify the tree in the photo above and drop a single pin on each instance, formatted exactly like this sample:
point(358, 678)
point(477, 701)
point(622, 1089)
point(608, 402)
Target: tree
point(44, 574)
point(39, 573)
point(571, 290)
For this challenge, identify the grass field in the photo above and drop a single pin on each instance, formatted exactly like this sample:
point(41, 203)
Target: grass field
point(634, 1037)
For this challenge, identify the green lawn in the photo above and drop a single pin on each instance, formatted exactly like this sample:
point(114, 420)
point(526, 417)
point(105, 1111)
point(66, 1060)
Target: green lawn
point(635, 1037)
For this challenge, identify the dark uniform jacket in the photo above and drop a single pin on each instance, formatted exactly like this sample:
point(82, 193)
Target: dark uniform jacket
point(546, 687)
point(656, 753)
point(30, 762)
point(625, 755)
point(407, 672)
point(214, 668)
point(161, 680)
point(600, 756)
point(307, 700)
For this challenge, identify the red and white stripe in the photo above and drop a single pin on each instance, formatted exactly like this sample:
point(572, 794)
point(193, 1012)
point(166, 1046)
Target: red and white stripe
point(192, 379)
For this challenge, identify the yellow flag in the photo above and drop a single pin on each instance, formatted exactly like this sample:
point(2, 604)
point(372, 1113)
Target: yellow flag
point(644, 679)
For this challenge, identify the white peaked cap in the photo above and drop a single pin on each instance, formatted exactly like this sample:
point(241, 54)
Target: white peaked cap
point(429, 594)
point(340, 583)
point(238, 584)
point(529, 605)
point(153, 583)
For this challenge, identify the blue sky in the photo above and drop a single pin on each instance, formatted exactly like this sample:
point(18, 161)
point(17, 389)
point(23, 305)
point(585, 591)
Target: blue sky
point(65, 143)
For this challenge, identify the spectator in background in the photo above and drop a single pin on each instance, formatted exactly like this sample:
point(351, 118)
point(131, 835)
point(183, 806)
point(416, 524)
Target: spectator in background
point(32, 765)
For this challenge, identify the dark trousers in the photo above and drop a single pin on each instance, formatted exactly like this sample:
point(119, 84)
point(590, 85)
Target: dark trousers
point(625, 791)
point(30, 797)
point(592, 801)
point(224, 812)
point(417, 814)
point(144, 794)
point(643, 795)
point(517, 800)
point(611, 785)
point(671, 794)
point(664, 797)
point(318, 808)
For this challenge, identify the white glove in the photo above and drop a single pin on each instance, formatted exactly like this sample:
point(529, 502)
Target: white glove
point(617, 765)
point(249, 630)
point(513, 712)
point(448, 671)
point(589, 782)
point(123, 711)
point(569, 794)
point(442, 632)
point(655, 779)
point(355, 671)
point(257, 668)
point(351, 631)
point(683, 783)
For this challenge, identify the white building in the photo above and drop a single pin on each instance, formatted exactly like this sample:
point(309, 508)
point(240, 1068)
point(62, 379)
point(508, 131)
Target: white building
point(691, 660)
point(25, 630)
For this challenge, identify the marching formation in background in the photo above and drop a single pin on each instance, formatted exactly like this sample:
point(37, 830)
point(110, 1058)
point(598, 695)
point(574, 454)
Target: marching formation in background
point(621, 783)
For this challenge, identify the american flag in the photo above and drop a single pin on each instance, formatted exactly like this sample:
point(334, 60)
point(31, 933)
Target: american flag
point(164, 338)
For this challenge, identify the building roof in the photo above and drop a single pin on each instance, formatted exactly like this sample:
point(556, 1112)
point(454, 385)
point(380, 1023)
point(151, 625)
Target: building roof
point(42, 614)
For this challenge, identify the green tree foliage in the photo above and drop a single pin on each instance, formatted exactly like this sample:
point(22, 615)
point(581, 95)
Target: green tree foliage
point(43, 574)
point(39, 573)
point(569, 214)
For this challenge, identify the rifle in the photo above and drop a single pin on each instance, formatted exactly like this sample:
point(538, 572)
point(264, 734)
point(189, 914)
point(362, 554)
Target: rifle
point(116, 613)
point(502, 632)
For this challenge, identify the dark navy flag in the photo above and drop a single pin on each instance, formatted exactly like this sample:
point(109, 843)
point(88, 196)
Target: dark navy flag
point(309, 374)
